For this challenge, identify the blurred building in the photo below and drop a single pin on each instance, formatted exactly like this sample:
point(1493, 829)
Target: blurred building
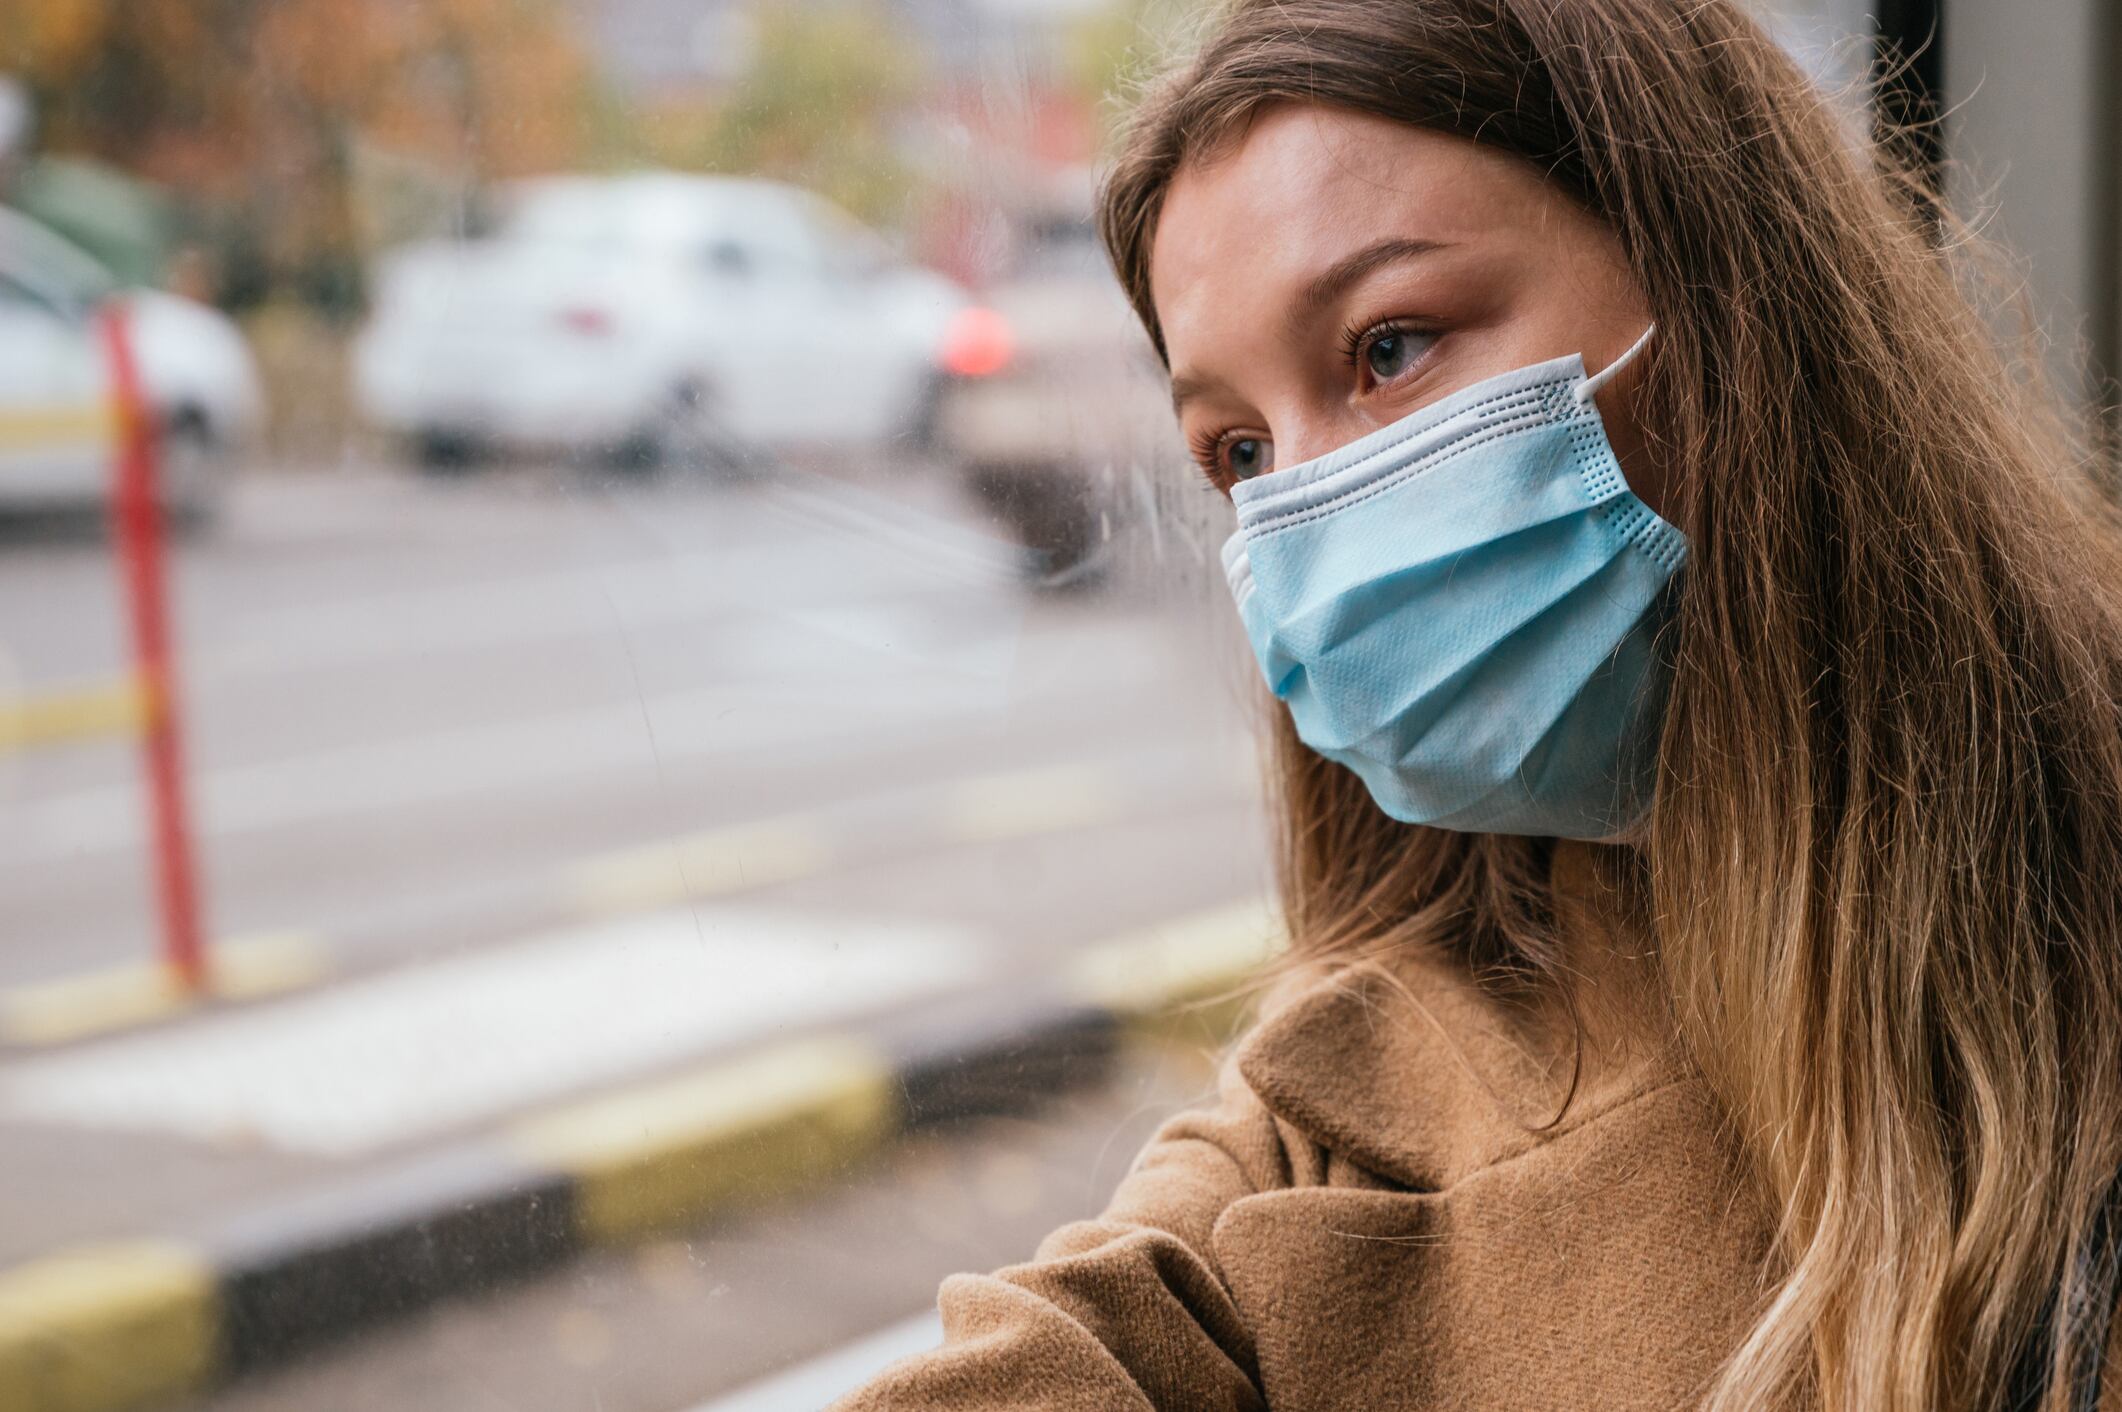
point(2024, 102)
point(677, 47)
point(2029, 93)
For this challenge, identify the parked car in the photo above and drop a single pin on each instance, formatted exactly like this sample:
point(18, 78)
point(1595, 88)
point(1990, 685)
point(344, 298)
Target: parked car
point(1054, 399)
point(634, 315)
point(196, 373)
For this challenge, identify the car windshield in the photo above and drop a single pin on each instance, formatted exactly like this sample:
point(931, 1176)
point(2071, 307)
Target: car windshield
point(47, 265)
point(666, 216)
point(601, 217)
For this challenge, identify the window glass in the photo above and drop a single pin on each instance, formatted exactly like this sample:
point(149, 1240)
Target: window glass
point(622, 739)
point(21, 300)
point(1833, 39)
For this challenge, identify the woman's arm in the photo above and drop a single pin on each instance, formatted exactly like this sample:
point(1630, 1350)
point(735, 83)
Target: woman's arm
point(1125, 1311)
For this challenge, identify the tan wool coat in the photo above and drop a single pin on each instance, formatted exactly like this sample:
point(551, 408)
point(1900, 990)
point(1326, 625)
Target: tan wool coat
point(1380, 1212)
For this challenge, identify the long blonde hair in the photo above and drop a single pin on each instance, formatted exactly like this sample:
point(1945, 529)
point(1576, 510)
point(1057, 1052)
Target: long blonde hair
point(1883, 863)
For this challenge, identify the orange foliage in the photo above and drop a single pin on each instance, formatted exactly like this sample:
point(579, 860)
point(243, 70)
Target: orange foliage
point(256, 107)
point(52, 34)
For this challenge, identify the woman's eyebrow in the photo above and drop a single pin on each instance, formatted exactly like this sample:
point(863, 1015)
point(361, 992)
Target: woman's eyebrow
point(1186, 387)
point(1326, 287)
point(1319, 293)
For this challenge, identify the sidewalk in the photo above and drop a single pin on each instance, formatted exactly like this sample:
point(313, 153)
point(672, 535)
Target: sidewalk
point(198, 1200)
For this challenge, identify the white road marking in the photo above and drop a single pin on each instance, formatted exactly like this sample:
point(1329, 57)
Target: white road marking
point(498, 758)
point(832, 712)
point(934, 815)
point(815, 1382)
point(852, 546)
point(747, 579)
point(434, 1046)
point(1042, 799)
point(936, 543)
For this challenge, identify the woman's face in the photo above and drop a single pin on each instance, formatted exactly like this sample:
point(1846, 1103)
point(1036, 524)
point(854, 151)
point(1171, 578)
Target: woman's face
point(1333, 271)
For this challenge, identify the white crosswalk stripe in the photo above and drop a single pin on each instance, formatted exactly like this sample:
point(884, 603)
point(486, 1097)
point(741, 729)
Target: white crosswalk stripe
point(416, 1051)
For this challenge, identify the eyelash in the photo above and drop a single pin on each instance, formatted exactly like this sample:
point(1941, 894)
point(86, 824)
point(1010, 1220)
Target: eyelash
point(1354, 339)
point(1205, 445)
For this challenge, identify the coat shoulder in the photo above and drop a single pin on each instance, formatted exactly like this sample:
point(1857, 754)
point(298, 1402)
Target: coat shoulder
point(1365, 1195)
point(1126, 1310)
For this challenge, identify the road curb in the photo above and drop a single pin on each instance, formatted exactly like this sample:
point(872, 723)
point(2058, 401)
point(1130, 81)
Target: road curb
point(108, 1327)
point(683, 870)
point(129, 996)
point(105, 1327)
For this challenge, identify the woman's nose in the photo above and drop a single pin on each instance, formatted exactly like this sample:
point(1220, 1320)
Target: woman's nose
point(1308, 436)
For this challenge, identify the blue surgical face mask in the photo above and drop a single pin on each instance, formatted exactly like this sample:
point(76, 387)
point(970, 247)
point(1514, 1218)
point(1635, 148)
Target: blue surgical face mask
point(1461, 607)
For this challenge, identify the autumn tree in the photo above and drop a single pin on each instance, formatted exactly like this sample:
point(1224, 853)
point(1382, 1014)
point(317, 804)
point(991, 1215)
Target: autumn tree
point(258, 112)
point(822, 93)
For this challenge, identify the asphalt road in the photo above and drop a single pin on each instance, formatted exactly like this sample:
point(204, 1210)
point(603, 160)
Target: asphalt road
point(492, 739)
point(414, 706)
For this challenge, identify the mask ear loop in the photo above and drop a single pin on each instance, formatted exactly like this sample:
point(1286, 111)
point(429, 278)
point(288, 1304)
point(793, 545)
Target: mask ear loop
point(1591, 385)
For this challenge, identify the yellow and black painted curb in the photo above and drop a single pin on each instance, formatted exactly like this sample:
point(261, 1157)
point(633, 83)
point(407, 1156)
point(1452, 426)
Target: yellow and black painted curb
point(135, 994)
point(128, 1324)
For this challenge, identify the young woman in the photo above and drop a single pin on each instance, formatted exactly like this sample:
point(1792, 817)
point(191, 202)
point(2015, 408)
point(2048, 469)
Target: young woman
point(1700, 765)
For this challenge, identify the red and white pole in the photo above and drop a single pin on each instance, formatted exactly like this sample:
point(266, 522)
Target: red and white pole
point(136, 522)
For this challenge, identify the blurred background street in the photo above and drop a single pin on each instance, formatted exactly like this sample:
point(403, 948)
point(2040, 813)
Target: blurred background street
point(540, 781)
point(688, 622)
point(739, 1308)
point(484, 688)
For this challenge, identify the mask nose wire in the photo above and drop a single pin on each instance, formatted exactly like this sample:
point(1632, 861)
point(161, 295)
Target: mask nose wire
point(1605, 375)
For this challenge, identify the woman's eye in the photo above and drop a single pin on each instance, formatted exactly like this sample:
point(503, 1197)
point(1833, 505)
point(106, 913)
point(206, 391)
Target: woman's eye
point(1393, 352)
point(1248, 456)
point(1386, 351)
point(1387, 357)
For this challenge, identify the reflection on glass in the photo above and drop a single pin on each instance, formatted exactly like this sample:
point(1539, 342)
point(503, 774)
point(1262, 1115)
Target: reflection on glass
point(700, 695)
point(705, 687)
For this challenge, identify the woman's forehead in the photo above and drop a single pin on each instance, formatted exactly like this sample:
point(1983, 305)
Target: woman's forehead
point(1303, 186)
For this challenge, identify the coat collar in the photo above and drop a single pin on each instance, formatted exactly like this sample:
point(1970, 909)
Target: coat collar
point(1414, 1072)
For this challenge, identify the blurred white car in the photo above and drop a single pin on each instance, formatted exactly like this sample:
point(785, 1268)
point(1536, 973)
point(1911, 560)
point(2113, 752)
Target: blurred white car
point(635, 315)
point(55, 400)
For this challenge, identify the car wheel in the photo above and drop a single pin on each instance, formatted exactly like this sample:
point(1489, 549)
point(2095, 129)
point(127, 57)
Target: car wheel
point(194, 472)
point(1052, 514)
point(638, 454)
point(695, 436)
point(918, 433)
point(442, 451)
